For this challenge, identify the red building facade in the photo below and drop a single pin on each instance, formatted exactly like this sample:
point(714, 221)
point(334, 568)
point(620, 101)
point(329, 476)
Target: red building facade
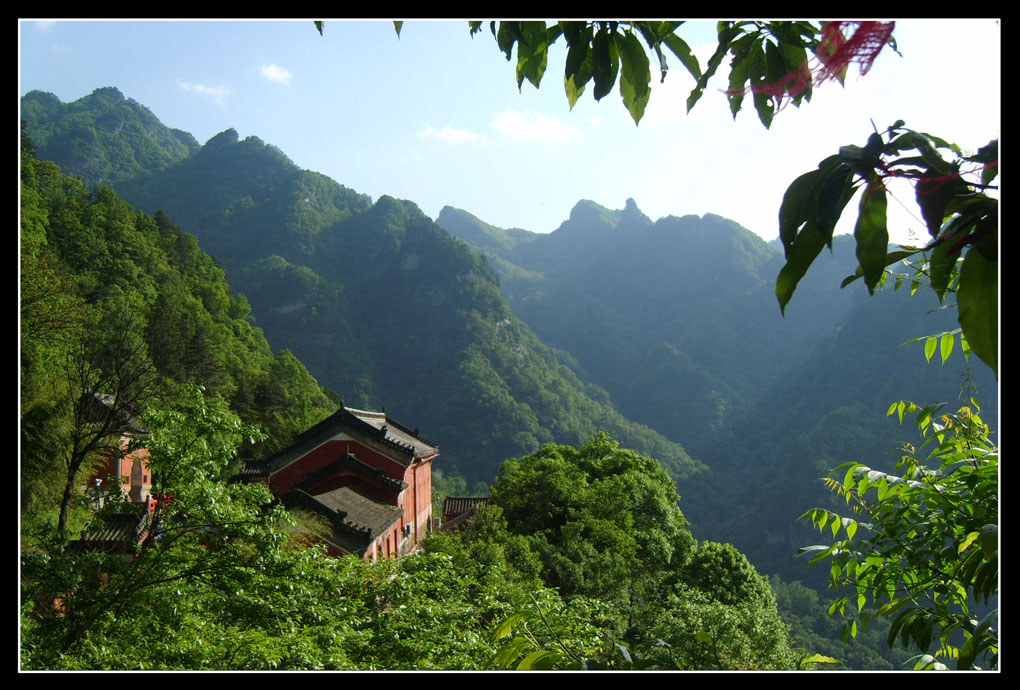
point(130, 469)
point(367, 475)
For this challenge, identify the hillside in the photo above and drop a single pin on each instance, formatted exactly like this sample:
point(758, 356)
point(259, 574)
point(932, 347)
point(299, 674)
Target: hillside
point(611, 318)
point(103, 137)
point(384, 307)
point(678, 321)
point(112, 297)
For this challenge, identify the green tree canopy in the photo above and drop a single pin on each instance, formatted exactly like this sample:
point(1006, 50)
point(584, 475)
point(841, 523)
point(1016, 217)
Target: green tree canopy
point(601, 518)
point(921, 546)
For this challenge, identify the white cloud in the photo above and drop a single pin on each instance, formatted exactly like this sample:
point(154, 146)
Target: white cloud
point(456, 136)
point(277, 74)
point(529, 126)
point(218, 94)
point(44, 26)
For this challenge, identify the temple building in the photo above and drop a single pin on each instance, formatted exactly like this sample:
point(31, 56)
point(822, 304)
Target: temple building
point(366, 476)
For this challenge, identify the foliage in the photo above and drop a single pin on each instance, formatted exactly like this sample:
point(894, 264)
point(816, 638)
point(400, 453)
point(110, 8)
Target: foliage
point(122, 304)
point(488, 548)
point(602, 519)
point(209, 584)
point(602, 523)
point(433, 614)
point(286, 238)
point(104, 137)
point(542, 636)
point(773, 57)
point(922, 544)
point(109, 377)
point(695, 631)
point(217, 581)
point(957, 212)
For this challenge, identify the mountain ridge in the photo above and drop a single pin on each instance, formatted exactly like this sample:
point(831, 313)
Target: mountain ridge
point(384, 306)
point(499, 340)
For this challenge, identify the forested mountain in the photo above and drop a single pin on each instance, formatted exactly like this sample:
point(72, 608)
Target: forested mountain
point(383, 306)
point(665, 334)
point(117, 301)
point(103, 137)
point(673, 323)
point(678, 321)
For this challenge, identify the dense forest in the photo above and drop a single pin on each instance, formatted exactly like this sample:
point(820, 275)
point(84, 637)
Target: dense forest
point(662, 335)
point(114, 299)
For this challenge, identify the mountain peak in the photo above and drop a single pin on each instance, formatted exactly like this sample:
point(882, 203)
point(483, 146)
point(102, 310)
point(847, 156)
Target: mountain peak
point(106, 94)
point(632, 215)
point(225, 137)
point(587, 211)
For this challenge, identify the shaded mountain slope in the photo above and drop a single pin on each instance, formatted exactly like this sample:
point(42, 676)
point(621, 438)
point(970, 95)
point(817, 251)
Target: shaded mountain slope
point(385, 307)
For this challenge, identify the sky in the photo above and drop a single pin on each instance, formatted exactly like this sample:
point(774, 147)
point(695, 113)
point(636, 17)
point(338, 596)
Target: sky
point(435, 116)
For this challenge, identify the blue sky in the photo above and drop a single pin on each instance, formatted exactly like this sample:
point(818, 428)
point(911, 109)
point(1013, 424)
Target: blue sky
point(436, 117)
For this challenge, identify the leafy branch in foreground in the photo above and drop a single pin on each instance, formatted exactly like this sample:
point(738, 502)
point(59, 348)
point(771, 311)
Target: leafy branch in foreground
point(775, 61)
point(922, 544)
point(951, 194)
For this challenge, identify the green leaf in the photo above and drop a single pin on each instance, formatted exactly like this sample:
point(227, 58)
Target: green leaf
point(726, 36)
point(871, 233)
point(684, 53)
point(849, 479)
point(929, 347)
point(507, 627)
point(942, 261)
point(851, 527)
point(605, 62)
point(978, 302)
point(970, 539)
point(833, 196)
point(397, 26)
point(946, 346)
point(798, 204)
point(320, 26)
point(506, 36)
point(507, 655)
point(738, 77)
point(933, 195)
point(883, 488)
point(574, 84)
point(819, 659)
point(578, 71)
point(989, 536)
point(757, 72)
point(532, 53)
point(572, 31)
point(801, 229)
point(542, 660)
point(635, 75)
point(810, 549)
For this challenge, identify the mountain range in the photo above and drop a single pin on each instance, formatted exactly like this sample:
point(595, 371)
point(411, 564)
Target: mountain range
point(666, 333)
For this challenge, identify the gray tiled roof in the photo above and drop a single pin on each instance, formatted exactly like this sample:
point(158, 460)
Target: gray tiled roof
point(456, 505)
point(371, 428)
point(119, 532)
point(357, 520)
point(395, 432)
point(102, 404)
